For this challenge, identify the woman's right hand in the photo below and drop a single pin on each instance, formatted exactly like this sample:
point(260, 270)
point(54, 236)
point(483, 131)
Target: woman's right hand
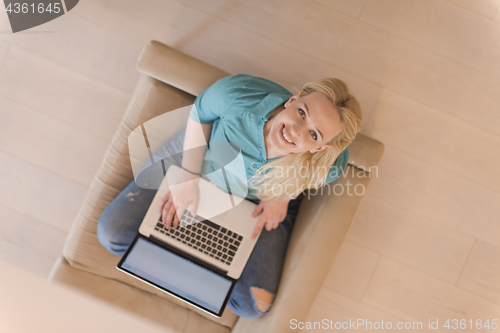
point(178, 199)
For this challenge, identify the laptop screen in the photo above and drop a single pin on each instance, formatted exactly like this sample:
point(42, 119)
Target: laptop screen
point(177, 274)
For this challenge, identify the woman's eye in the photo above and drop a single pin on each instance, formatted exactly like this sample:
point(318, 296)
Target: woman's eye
point(302, 113)
point(315, 137)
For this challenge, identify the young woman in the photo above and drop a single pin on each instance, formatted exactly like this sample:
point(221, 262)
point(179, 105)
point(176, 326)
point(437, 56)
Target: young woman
point(289, 143)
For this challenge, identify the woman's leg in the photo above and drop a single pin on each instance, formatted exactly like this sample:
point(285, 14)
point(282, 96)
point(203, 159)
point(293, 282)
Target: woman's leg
point(255, 290)
point(120, 221)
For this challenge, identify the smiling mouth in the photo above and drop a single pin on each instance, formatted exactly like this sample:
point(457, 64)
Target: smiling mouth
point(285, 138)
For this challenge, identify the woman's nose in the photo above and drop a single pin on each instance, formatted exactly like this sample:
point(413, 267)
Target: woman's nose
point(297, 132)
point(299, 129)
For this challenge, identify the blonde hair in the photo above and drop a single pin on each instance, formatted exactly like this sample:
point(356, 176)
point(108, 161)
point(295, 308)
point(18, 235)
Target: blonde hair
point(279, 178)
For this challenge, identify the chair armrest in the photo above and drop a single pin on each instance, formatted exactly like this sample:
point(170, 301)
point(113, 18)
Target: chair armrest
point(321, 226)
point(178, 69)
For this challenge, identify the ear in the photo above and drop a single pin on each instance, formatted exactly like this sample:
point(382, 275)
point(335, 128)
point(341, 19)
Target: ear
point(293, 98)
point(320, 149)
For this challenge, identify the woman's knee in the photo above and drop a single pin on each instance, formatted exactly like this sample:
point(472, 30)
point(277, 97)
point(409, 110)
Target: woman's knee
point(105, 233)
point(263, 299)
point(119, 222)
point(116, 229)
point(252, 304)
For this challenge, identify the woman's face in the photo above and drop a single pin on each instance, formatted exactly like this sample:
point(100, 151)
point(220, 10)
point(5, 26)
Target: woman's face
point(306, 124)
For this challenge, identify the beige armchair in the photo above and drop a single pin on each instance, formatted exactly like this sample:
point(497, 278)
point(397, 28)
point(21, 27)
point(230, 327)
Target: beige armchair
point(171, 79)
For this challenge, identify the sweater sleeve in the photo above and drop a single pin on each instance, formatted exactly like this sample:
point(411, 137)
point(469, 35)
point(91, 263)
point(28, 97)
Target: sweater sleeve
point(217, 99)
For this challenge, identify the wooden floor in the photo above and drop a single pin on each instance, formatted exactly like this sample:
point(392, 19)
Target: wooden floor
point(426, 242)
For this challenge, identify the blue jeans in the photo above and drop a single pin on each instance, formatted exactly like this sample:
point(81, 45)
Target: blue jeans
point(120, 221)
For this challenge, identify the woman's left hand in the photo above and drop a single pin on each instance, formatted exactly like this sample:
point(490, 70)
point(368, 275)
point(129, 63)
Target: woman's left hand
point(273, 213)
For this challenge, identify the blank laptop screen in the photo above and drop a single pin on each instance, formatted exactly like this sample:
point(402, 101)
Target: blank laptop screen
point(177, 275)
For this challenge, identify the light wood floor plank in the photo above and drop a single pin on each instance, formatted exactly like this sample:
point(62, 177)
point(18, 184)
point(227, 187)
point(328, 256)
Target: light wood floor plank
point(486, 8)
point(341, 309)
point(49, 143)
point(62, 93)
point(39, 194)
point(352, 270)
point(323, 33)
point(437, 195)
point(444, 84)
point(401, 235)
point(442, 27)
point(156, 19)
point(29, 243)
point(437, 138)
point(4, 49)
point(409, 294)
point(482, 272)
point(188, 25)
point(496, 18)
point(76, 43)
point(349, 7)
point(4, 22)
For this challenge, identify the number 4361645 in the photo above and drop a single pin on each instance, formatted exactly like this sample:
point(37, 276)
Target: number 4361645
point(40, 8)
point(471, 324)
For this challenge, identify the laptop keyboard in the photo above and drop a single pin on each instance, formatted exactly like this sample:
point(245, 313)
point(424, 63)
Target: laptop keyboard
point(205, 236)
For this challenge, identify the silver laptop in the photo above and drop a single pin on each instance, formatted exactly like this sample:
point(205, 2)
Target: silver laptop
point(200, 261)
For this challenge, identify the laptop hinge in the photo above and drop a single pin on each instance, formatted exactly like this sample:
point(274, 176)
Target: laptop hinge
point(188, 256)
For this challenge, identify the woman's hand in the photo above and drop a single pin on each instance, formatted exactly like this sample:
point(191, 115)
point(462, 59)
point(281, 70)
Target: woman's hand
point(273, 213)
point(178, 199)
